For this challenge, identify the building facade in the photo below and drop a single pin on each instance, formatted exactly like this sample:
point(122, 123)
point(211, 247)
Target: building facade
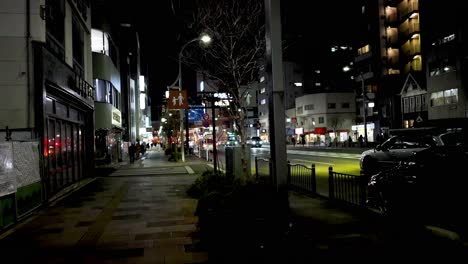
point(445, 49)
point(389, 51)
point(46, 73)
point(322, 117)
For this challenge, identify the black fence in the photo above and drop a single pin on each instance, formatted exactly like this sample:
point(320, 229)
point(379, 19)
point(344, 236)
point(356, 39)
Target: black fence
point(348, 188)
point(302, 178)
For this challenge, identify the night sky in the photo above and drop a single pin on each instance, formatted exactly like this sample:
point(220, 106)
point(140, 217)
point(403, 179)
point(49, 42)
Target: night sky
point(163, 23)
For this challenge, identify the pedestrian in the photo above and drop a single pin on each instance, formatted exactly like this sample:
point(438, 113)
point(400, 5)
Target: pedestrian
point(131, 152)
point(137, 150)
point(361, 140)
point(350, 141)
point(293, 141)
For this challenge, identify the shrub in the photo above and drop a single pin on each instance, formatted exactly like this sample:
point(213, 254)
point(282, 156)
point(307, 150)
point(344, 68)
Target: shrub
point(209, 182)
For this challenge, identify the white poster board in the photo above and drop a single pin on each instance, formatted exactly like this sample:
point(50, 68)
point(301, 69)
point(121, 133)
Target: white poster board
point(26, 163)
point(7, 172)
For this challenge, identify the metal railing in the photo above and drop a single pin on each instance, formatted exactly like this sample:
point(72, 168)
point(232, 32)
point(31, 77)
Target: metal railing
point(346, 187)
point(302, 178)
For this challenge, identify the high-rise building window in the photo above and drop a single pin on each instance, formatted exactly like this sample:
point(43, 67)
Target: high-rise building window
point(78, 46)
point(55, 26)
point(309, 107)
point(446, 97)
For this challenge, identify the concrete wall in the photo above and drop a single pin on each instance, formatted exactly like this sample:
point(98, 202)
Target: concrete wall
point(16, 110)
point(104, 69)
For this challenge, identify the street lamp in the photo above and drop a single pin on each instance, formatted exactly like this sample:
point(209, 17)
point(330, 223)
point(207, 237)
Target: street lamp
point(204, 38)
point(364, 102)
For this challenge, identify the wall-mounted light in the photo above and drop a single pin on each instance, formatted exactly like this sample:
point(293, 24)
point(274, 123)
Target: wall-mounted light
point(371, 104)
point(298, 84)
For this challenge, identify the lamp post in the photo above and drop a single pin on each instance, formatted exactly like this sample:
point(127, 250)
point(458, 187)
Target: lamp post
point(205, 39)
point(364, 106)
point(364, 102)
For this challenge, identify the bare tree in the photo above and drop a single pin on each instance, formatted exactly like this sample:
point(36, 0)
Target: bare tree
point(235, 55)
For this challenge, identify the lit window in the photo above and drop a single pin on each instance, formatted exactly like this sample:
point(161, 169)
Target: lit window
point(263, 101)
point(262, 79)
point(262, 90)
point(451, 96)
point(446, 97)
point(99, 42)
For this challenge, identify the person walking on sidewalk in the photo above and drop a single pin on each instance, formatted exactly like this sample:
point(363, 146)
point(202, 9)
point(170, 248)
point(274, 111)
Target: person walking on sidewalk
point(131, 152)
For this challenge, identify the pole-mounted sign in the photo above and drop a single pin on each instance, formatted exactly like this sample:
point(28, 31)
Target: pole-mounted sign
point(177, 99)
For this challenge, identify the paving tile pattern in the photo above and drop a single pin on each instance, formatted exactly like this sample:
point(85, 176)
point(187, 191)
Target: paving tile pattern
point(133, 219)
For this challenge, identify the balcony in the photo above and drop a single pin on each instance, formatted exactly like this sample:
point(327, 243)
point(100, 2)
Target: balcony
point(408, 8)
point(410, 30)
point(363, 57)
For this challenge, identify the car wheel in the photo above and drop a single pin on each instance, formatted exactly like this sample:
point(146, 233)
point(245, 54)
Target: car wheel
point(383, 204)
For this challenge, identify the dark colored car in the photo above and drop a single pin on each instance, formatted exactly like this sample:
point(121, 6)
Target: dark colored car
point(403, 146)
point(429, 187)
point(256, 142)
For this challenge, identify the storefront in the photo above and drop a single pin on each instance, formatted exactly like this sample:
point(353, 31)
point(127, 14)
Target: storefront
point(64, 144)
point(65, 119)
point(359, 130)
point(108, 136)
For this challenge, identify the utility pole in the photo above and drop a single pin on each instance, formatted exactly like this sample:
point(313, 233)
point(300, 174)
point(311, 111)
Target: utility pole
point(275, 84)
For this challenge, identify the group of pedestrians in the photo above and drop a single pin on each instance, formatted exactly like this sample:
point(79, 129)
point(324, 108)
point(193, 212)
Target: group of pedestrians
point(136, 150)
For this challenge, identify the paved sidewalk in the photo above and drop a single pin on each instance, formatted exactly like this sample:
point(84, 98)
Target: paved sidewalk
point(141, 214)
point(125, 219)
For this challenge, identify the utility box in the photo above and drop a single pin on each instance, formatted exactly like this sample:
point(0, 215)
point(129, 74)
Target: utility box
point(234, 162)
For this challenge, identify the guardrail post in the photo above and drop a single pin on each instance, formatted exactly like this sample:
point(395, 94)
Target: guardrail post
point(331, 184)
point(314, 180)
point(363, 189)
point(256, 168)
point(289, 173)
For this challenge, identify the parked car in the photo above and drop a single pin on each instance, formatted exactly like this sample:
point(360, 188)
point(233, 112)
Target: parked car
point(429, 187)
point(403, 145)
point(256, 142)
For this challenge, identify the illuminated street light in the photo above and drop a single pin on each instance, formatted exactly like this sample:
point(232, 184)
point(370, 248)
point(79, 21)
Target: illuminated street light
point(206, 39)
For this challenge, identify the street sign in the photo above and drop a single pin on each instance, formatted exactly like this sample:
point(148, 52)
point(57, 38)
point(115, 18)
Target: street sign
point(294, 120)
point(206, 123)
point(177, 99)
point(206, 116)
